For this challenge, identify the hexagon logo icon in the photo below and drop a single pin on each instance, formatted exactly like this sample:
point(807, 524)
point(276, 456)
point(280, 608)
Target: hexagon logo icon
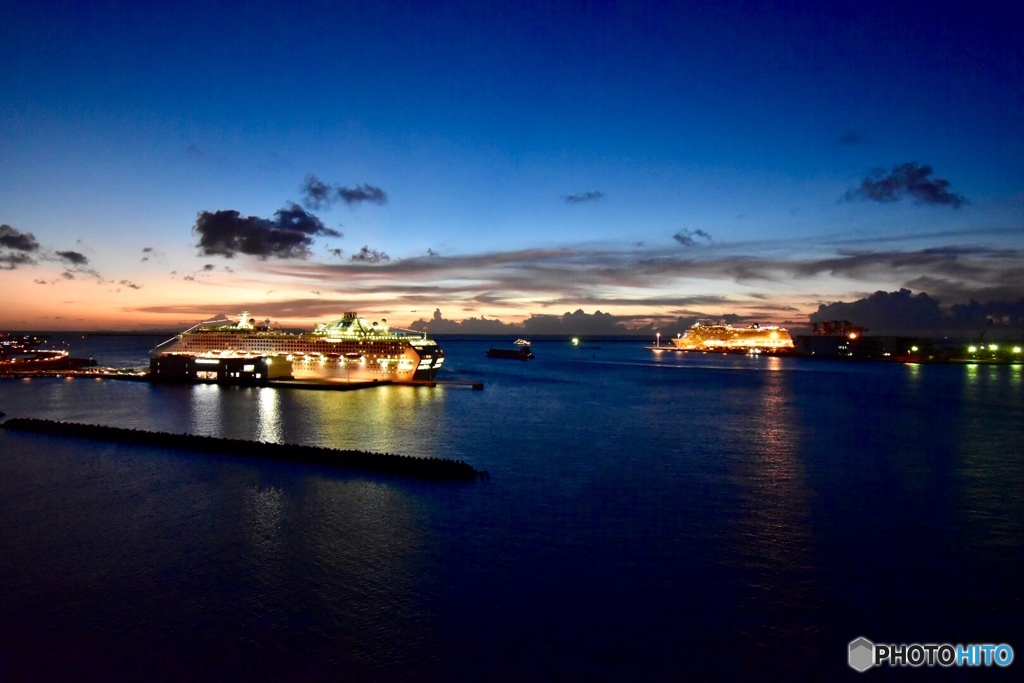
point(862, 654)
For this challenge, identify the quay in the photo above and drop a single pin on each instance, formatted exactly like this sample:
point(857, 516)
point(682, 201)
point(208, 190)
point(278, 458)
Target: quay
point(387, 463)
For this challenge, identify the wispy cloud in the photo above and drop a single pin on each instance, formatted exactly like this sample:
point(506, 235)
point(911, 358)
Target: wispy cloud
point(320, 195)
point(589, 196)
point(368, 255)
point(688, 238)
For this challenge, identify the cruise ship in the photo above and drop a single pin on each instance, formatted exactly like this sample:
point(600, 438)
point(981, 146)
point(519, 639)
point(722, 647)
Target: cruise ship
point(756, 338)
point(349, 349)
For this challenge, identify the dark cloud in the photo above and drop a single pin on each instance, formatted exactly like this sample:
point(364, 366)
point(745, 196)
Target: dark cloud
point(209, 267)
point(12, 261)
point(431, 252)
point(41, 282)
point(367, 255)
point(336, 252)
point(687, 238)
point(288, 235)
point(907, 179)
point(903, 312)
point(10, 238)
point(320, 195)
point(362, 193)
point(316, 193)
point(68, 275)
point(589, 196)
point(73, 257)
point(129, 284)
point(189, 278)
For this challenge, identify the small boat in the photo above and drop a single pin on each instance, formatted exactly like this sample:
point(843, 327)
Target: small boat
point(523, 351)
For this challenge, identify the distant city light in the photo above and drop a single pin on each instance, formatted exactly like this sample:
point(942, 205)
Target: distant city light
point(972, 349)
point(913, 349)
point(853, 335)
point(1016, 349)
point(993, 347)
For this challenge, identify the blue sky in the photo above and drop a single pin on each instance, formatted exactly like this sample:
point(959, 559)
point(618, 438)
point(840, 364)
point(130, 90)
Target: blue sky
point(534, 158)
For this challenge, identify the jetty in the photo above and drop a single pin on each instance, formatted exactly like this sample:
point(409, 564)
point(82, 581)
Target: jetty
point(387, 463)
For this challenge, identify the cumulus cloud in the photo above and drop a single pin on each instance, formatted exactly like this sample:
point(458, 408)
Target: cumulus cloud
point(588, 196)
point(903, 312)
point(688, 238)
point(907, 180)
point(287, 236)
point(320, 195)
point(368, 255)
point(13, 239)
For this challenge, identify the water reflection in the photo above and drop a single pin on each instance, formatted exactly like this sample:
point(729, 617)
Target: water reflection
point(773, 536)
point(205, 410)
point(268, 406)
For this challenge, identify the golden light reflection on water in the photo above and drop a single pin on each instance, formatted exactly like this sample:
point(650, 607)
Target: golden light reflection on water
point(206, 410)
point(773, 534)
point(913, 373)
point(268, 406)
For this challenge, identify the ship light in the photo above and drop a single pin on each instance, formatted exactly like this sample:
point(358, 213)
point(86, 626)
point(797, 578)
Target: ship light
point(575, 341)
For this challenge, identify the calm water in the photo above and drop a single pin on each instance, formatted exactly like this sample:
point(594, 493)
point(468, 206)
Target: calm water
point(648, 518)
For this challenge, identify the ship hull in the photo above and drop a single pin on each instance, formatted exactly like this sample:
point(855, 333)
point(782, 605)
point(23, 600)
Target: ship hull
point(391, 357)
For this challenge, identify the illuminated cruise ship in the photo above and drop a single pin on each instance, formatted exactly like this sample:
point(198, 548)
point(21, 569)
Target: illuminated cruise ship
point(351, 348)
point(756, 338)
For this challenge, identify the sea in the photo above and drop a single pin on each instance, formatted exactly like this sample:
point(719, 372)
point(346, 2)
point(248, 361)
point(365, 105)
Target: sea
point(649, 516)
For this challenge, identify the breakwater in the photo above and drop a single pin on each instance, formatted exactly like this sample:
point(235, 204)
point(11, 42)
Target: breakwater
point(388, 463)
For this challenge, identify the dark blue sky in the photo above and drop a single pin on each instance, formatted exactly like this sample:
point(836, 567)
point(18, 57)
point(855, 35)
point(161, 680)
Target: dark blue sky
point(709, 158)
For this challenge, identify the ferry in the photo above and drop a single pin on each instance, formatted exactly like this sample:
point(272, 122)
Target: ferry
point(348, 349)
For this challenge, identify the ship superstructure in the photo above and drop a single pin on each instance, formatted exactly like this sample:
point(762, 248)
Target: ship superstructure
point(764, 338)
point(351, 348)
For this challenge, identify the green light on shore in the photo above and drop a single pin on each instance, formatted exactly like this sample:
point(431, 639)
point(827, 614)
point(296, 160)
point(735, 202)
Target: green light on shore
point(972, 349)
point(993, 347)
point(1016, 349)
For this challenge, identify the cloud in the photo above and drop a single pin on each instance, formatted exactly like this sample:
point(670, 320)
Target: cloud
point(589, 196)
point(362, 193)
point(73, 257)
point(687, 237)
point(903, 312)
point(12, 261)
point(208, 267)
point(316, 193)
point(129, 284)
point(335, 252)
point(320, 195)
point(10, 238)
point(906, 179)
point(367, 255)
point(288, 236)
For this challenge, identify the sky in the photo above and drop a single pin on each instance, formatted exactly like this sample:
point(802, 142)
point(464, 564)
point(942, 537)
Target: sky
point(494, 163)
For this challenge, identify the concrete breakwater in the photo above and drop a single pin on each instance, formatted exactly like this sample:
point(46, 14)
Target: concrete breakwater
point(389, 463)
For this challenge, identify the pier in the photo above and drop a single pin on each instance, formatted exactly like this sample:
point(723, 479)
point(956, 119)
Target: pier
point(388, 463)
